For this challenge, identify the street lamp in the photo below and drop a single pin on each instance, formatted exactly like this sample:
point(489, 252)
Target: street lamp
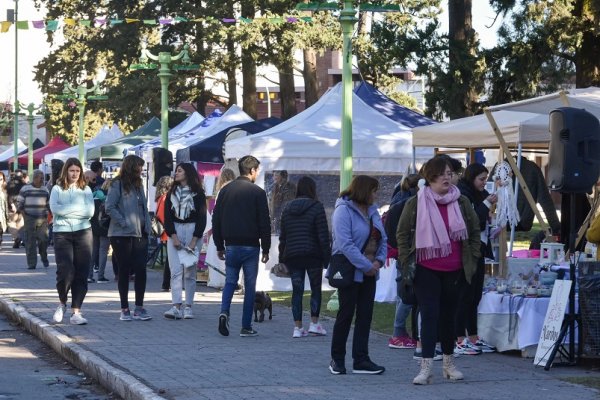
point(347, 20)
point(31, 109)
point(16, 110)
point(164, 73)
point(80, 95)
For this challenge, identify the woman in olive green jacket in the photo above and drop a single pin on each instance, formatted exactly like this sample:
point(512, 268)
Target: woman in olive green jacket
point(440, 229)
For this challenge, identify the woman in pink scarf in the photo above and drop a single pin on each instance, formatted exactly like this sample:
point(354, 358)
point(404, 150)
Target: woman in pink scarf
point(441, 230)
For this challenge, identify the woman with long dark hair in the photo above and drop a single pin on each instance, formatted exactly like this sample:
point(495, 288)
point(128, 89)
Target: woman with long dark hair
point(128, 232)
point(356, 225)
point(440, 228)
point(185, 220)
point(304, 248)
point(472, 185)
point(72, 205)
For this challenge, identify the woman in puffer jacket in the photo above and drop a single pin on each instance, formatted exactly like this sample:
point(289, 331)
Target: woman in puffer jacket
point(304, 248)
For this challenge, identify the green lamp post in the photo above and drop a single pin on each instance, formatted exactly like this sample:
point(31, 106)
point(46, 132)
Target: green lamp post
point(80, 95)
point(165, 59)
point(347, 20)
point(31, 109)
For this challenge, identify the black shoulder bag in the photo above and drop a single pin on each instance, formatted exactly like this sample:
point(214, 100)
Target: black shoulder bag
point(341, 270)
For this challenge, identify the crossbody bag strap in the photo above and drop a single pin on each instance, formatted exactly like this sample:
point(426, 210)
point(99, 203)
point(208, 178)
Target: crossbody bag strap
point(369, 236)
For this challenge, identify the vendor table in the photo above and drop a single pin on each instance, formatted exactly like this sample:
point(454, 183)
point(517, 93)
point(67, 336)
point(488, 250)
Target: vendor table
point(511, 322)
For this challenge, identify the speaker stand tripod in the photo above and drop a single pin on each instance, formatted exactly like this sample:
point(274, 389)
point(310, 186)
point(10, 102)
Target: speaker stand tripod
point(571, 317)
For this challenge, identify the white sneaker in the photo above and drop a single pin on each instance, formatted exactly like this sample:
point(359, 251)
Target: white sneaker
point(187, 313)
point(299, 332)
point(59, 313)
point(317, 329)
point(173, 313)
point(77, 319)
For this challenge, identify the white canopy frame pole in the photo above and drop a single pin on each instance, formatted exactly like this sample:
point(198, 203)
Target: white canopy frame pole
point(512, 228)
point(517, 173)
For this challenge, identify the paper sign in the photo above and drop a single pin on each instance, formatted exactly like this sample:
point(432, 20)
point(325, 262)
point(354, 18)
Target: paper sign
point(553, 321)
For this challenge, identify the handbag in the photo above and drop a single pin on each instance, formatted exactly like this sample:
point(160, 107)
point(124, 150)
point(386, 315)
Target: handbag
point(103, 216)
point(341, 270)
point(156, 226)
point(281, 270)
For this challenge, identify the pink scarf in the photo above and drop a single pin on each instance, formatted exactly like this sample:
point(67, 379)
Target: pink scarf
point(432, 238)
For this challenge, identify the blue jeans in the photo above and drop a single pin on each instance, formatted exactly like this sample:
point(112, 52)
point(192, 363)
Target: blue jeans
point(236, 259)
point(402, 311)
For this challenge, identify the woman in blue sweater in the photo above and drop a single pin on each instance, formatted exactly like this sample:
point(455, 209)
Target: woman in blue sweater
point(72, 205)
point(359, 235)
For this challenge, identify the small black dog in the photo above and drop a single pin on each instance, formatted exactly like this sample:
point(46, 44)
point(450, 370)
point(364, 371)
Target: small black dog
point(262, 302)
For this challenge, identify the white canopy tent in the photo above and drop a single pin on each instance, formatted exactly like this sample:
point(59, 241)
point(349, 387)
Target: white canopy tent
point(10, 151)
point(311, 140)
point(233, 116)
point(522, 122)
point(106, 135)
point(188, 124)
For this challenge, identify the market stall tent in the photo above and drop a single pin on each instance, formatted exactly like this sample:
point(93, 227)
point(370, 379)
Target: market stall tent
point(190, 124)
point(10, 151)
point(106, 135)
point(114, 151)
point(211, 148)
point(388, 107)
point(56, 144)
point(311, 140)
point(524, 122)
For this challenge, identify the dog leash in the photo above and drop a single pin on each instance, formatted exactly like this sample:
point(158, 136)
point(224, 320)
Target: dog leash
point(214, 268)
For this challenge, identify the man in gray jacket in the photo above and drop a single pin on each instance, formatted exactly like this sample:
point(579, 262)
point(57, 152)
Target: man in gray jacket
point(33, 203)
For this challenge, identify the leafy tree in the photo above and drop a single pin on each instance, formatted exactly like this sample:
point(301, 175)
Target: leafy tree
point(544, 46)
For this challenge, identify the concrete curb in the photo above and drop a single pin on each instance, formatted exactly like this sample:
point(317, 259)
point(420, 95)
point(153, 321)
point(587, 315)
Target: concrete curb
point(114, 379)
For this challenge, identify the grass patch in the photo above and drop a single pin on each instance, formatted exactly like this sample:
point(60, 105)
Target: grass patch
point(383, 313)
point(592, 382)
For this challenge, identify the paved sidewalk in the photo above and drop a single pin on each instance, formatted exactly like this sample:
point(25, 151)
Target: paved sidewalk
point(188, 359)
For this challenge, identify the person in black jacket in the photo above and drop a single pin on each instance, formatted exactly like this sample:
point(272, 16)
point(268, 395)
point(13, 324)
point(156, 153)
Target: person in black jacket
point(472, 185)
point(241, 222)
point(304, 248)
point(185, 220)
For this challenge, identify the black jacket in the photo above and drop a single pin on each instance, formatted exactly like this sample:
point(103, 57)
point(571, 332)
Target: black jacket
point(241, 216)
point(304, 231)
point(392, 217)
point(197, 216)
point(476, 200)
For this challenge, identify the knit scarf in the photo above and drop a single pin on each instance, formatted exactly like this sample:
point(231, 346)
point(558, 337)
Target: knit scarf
point(183, 202)
point(432, 239)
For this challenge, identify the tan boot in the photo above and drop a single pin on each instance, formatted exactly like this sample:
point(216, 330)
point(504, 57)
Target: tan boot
point(425, 376)
point(449, 369)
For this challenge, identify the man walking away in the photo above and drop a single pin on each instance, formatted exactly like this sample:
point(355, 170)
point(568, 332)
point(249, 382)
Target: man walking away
point(33, 203)
point(241, 226)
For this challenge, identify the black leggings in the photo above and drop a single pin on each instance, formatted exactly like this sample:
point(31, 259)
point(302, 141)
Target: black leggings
point(130, 253)
point(468, 301)
point(437, 295)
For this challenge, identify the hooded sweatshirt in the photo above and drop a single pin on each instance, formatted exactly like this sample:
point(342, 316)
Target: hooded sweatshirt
point(304, 231)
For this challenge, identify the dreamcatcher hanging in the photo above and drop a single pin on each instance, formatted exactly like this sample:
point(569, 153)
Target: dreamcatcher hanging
point(506, 207)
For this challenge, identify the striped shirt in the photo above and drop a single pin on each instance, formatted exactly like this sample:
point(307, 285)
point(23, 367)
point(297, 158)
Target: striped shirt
point(33, 201)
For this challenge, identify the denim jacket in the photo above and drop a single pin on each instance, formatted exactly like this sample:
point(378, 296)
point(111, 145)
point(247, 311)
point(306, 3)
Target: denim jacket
point(124, 212)
point(351, 230)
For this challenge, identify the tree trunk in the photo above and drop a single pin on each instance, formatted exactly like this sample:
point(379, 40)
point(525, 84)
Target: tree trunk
point(248, 69)
point(287, 94)
point(461, 94)
point(311, 88)
point(587, 56)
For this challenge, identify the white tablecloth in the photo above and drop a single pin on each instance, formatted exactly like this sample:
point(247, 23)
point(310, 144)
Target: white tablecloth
point(386, 285)
point(511, 322)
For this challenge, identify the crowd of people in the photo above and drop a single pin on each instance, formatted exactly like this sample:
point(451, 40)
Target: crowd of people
point(436, 228)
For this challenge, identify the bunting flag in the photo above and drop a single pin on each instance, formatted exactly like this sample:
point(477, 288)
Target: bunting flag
point(53, 25)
